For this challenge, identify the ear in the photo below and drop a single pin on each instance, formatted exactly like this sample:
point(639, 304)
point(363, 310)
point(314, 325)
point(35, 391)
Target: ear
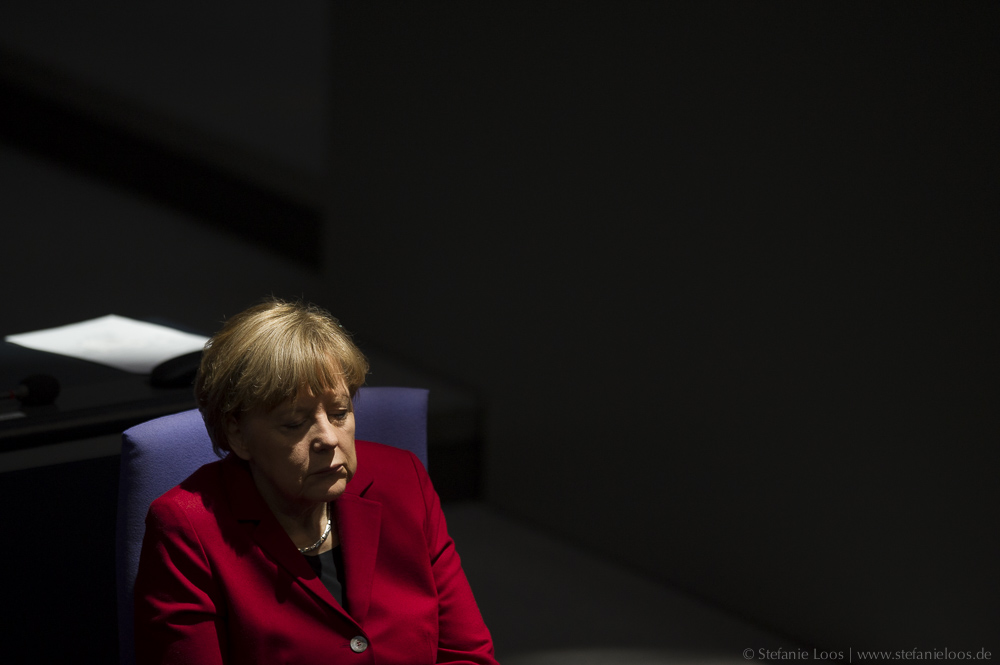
point(234, 436)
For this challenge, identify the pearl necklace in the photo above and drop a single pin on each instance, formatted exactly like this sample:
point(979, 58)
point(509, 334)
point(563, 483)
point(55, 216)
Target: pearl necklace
point(322, 539)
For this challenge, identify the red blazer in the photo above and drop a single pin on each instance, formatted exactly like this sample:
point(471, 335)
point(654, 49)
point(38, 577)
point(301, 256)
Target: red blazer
point(221, 582)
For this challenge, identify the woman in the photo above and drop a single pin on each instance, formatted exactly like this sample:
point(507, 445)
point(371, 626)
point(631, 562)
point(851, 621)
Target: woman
point(300, 545)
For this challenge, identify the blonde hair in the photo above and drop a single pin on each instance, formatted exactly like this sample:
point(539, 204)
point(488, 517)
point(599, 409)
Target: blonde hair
point(264, 355)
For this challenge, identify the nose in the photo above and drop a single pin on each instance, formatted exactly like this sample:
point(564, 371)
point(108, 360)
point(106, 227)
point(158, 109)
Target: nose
point(325, 435)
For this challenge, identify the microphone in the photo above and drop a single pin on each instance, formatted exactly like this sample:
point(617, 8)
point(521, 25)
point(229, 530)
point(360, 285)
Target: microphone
point(36, 390)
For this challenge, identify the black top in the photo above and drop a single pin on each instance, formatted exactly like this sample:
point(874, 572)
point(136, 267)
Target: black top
point(329, 567)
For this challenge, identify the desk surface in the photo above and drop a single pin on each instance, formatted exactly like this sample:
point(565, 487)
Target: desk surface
point(93, 399)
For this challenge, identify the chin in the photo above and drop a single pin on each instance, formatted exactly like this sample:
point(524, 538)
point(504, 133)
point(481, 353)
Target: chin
point(335, 490)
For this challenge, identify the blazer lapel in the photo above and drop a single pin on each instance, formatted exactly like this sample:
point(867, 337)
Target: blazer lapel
point(359, 524)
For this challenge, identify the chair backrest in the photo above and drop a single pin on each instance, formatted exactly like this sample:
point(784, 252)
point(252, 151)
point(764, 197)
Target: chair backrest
point(159, 454)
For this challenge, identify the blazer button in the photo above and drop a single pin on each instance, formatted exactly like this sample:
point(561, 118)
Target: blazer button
point(358, 644)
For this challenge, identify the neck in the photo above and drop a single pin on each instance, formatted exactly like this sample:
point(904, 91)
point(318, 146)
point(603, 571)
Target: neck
point(304, 522)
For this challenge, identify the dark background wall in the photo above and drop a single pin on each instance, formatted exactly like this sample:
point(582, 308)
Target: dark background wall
point(723, 273)
point(727, 273)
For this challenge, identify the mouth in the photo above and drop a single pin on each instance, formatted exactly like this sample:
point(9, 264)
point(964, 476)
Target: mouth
point(335, 469)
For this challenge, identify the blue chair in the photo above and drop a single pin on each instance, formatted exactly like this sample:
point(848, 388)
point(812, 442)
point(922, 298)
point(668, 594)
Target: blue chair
point(159, 454)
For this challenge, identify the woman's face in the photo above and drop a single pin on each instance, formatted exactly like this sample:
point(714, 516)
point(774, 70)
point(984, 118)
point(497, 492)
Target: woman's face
point(301, 453)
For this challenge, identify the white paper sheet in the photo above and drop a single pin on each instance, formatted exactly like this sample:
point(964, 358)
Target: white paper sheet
point(118, 341)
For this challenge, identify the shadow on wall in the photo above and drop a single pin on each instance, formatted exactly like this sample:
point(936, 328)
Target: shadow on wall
point(79, 248)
